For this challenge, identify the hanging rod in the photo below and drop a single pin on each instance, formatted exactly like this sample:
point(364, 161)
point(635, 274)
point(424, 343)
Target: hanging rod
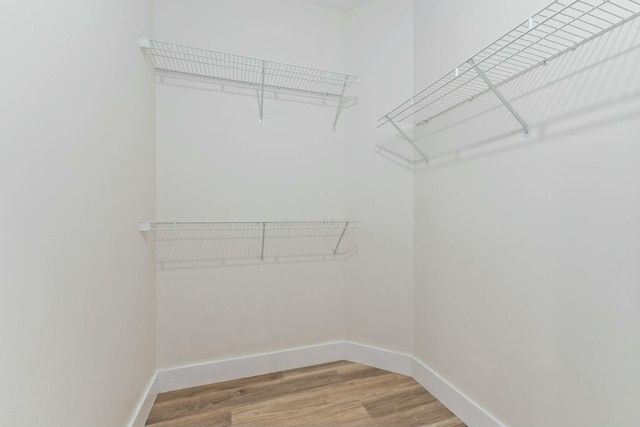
point(255, 73)
point(557, 29)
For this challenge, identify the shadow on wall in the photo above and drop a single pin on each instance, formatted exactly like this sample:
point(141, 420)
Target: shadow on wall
point(595, 85)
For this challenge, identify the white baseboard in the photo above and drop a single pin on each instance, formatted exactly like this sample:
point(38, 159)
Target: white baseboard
point(248, 366)
point(146, 403)
point(224, 370)
point(466, 409)
point(378, 358)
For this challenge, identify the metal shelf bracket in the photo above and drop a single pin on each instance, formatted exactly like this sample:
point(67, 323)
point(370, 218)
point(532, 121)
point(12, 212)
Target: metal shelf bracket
point(344, 230)
point(502, 99)
point(408, 139)
point(261, 97)
point(340, 101)
point(264, 231)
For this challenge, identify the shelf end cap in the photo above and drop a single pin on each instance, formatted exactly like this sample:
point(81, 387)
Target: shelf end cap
point(144, 42)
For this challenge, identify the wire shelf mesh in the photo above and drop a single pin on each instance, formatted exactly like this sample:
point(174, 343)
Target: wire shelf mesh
point(595, 85)
point(243, 70)
point(187, 243)
point(559, 28)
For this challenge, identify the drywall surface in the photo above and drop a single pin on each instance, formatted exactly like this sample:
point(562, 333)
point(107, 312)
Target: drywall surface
point(216, 162)
point(379, 48)
point(526, 250)
point(77, 294)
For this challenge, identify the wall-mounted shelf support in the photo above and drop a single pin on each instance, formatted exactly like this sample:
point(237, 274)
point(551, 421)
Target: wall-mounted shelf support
point(261, 100)
point(502, 99)
point(340, 101)
point(408, 139)
point(344, 230)
point(264, 231)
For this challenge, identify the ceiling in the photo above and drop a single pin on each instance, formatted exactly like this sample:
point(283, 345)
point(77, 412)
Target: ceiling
point(341, 5)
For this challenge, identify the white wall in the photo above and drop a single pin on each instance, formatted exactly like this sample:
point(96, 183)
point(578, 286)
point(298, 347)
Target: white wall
point(216, 162)
point(526, 259)
point(77, 296)
point(379, 48)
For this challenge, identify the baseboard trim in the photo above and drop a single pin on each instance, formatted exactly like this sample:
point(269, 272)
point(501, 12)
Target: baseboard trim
point(224, 370)
point(248, 366)
point(146, 403)
point(378, 358)
point(466, 409)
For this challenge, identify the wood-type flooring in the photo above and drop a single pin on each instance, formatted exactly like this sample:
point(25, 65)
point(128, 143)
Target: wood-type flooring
point(333, 394)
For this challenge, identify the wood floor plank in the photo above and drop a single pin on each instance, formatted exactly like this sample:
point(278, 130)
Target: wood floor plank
point(400, 401)
point(335, 400)
point(336, 394)
point(210, 405)
point(449, 422)
point(428, 414)
point(224, 398)
point(371, 388)
point(203, 419)
point(190, 392)
point(340, 413)
point(359, 372)
point(331, 366)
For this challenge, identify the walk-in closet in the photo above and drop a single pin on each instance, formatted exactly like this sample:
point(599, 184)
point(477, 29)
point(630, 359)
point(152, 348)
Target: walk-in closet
point(320, 212)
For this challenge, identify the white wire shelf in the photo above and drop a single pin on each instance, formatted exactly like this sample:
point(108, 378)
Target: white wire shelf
point(213, 243)
point(561, 27)
point(260, 74)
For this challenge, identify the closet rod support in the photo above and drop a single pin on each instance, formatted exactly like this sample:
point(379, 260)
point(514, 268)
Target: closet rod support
point(344, 230)
point(502, 99)
point(406, 137)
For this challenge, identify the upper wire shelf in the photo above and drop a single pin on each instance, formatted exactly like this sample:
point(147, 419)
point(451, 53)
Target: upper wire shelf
point(217, 243)
point(256, 73)
point(557, 29)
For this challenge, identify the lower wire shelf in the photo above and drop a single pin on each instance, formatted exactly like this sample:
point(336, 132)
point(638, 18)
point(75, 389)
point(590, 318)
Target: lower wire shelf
point(188, 244)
